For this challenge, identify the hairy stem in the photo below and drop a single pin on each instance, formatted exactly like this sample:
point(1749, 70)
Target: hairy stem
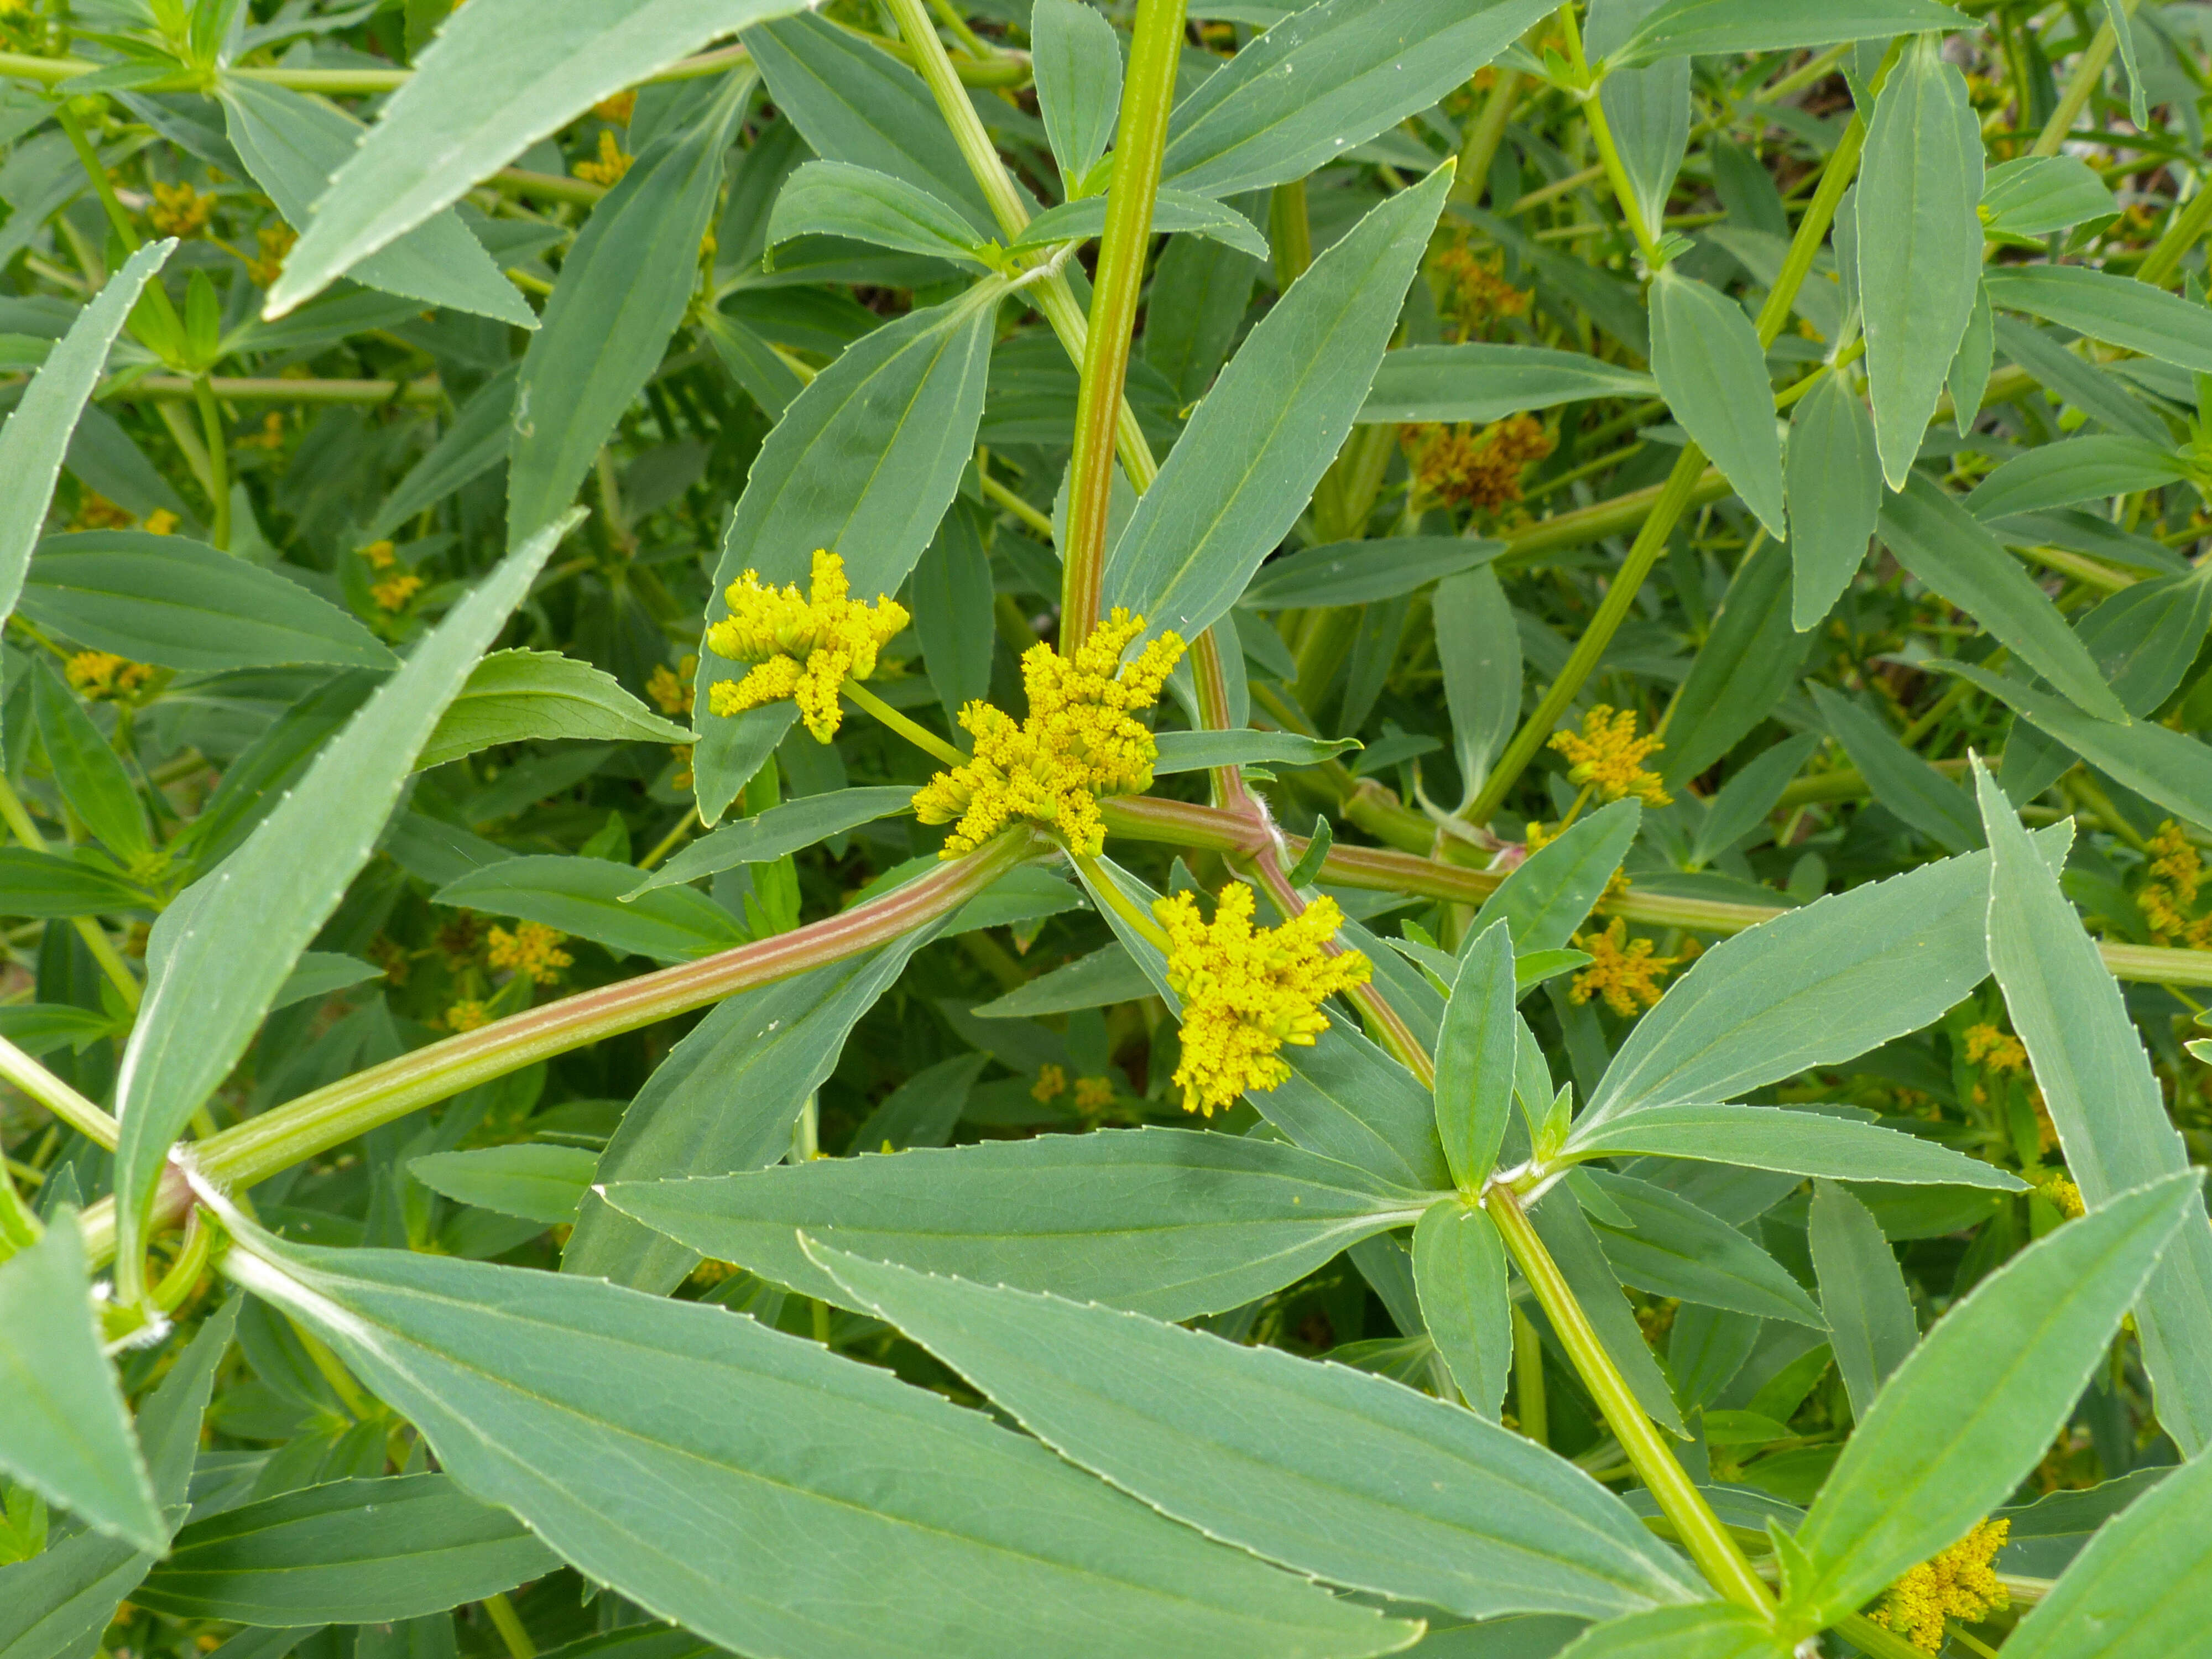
point(1697, 1525)
point(1137, 144)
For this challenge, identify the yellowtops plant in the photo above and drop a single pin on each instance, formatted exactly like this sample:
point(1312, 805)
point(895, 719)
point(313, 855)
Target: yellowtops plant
point(1246, 991)
point(1081, 740)
point(1607, 755)
point(1625, 971)
point(532, 949)
point(801, 648)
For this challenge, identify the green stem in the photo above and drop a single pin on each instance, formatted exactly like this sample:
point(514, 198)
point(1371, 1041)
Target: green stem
point(1290, 232)
point(102, 185)
point(56, 1096)
point(1528, 1398)
point(18, 820)
point(935, 66)
point(1138, 142)
point(218, 452)
point(1484, 134)
point(2182, 231)
point(270, 390)
point(508, 1624)
point(315, 1122)
point(1608, 153)
point(1875, 1641)
point(1127, 909)
point(920, 736)
point(1697, 1525)
point(2080, 86)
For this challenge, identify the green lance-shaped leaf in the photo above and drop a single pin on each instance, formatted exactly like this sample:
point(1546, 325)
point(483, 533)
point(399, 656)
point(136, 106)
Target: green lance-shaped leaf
point(590, 898)
point(835, 199)
point(1344, 1099)
point(2146, 636)
point(180, 603)
point(1475, 1057)
point(1459, 1273)
point(1195, 752)
point(623, 290)
point(293, 144)
point(1948, 548)
point(1919, 244)
point(2039, 194)
point(2108, 1108)
point(1712, 372)
point(1711, 1630)
point(220, 952)
point(1967, 381)
point(2118, 310)
point(65, 1433)
point(1085, 218)
point(1798, 1142)
point(766, 1494)
point(1833, 484)
point(494, 81)
point(1749, 663)
point(1327, 78)
point(1751, 792)
point(535, 1181)
point(1274, 421)
point(346, 1552)
point(1813, 987)
point(723, 1100)
point(1479, 648)
point(1478, 382)
point(950, 595)
point(2098, 392)
point(1862, 1295)
point(794, 825)
point(54, 884)
point(1907, 784)
point(2158, 763)
point(2085, 468)
point(1173, 1223)
point(1967, 1416)
point(56, 1604)
point(1077, 59)
point(1104, 977)
point(517, 697)
point(1573, 1245)
point(1350, 1477)
point(1362, 572)
point(1647, 107)
point(90, 773)
point(1672, 1248)
point(2143, 1583)
point(854, 103)
point(477, 440)
point(1549, 895)
point(37, 436)
point(1715, 28)
point(864, 463)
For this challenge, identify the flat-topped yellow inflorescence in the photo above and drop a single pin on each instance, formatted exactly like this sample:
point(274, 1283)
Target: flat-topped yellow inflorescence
point(801, 648)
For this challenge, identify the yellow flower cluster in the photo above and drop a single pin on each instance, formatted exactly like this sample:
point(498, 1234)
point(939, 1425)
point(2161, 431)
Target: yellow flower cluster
point(1247, 991)
point(161, 522)
point(381, 556)
point(2065, 1197)
point(2000, 1051)
point(532, 949)
point(1093, 1094)
point(2168, 894)
point(96, 511)
point(1959, 1583)
point(1607, 755)
point(1622, 970)
point(393, 592)
point(618, 109)
point(273, 244)
point(1051, 1084)
point(179, 211)
point(467, 1015)
point(98, 674)
point(1472, 293)
point(610, 167)
point(1081, 740)
point(671, 688)
point(801, 648)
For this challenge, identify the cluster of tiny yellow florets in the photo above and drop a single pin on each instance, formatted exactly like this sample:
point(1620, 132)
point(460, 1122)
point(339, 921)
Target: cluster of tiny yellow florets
point(532, 949)
point(2000, 1051)
point(1247, 991)
point(1622, 970)
point(2168, 894)
point(1471, 293)
point(1092, 1093)
point(98, 674)
point(1460, 466)
point(671, 688)
point(179, 211)
point(612, 163)
point(1081, 740)
point(802, 649)
point(1608, 757)
point(1959, 1583)
point(272, 244)
point(2065, 1197)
